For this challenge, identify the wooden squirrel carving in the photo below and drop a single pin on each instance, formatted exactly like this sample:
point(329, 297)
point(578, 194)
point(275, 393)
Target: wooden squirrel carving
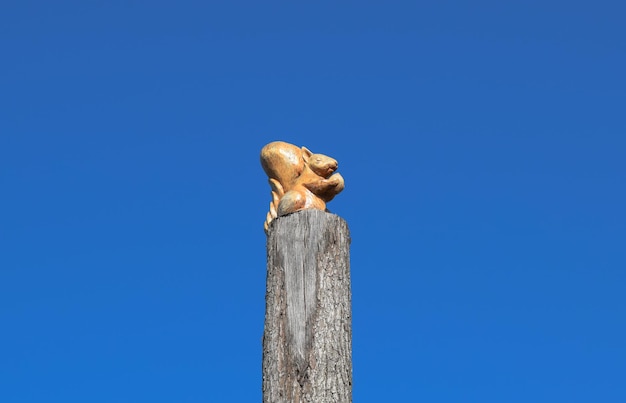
point(299, 179)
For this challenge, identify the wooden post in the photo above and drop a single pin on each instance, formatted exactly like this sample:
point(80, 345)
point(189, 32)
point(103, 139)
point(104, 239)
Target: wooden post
point(307, 343)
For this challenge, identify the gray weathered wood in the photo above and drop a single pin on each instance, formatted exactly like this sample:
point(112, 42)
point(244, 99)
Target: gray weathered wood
point(307, 350)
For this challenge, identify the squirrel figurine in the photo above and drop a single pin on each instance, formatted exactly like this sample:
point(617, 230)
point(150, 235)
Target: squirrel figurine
point(299, 179)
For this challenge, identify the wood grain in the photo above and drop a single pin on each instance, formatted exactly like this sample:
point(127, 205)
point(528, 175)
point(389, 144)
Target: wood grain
point(307, 351)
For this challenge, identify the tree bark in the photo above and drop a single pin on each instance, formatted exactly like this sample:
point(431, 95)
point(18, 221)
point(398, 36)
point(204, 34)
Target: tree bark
point(307, 343)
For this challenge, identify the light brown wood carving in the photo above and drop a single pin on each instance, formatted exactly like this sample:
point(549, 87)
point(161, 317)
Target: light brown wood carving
point(299, 179)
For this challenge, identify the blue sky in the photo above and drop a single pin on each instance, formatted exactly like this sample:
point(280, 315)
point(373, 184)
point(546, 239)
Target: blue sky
point(482, 144)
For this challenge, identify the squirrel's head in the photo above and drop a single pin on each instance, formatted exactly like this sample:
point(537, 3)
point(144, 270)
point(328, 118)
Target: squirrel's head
point(320, 164)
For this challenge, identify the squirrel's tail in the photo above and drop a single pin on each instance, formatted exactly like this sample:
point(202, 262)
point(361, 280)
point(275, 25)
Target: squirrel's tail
point(277, 193)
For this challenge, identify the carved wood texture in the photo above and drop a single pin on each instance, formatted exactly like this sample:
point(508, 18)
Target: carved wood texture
point(307, 351)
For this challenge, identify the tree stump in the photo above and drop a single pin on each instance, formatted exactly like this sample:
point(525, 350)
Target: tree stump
point(307, 343)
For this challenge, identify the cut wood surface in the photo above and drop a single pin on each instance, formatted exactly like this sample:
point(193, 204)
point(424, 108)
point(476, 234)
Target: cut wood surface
point(307, 351)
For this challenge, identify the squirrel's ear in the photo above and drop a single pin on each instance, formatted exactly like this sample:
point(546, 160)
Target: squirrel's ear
point(306, 153)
